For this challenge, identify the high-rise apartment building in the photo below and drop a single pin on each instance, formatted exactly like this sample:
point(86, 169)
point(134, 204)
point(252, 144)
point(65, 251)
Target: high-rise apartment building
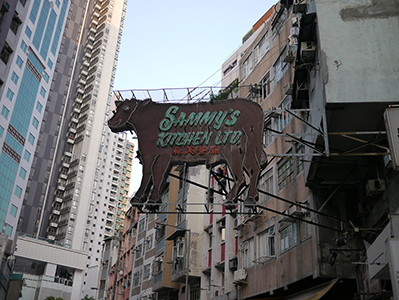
point(27, 67)
point(64, 176)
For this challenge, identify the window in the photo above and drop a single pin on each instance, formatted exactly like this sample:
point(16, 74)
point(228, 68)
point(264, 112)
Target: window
point(288, 236)
point(27, 155)
point(248, 253)
point(39, 107)
point(13, 210)
point(28, 32)
point(19, 62)
point(31, 138)
point(160, 232)
point(266, 86)
point(18, 191)
point(147, 272)
point(285, 172)
point(24, 47)
point(10, 95)
point(14, 78)
point(22, 173)
point(305, 228)
point(46, 77)
point(158, 265)
point(141, 225)
point(1, 131)
point(8, 230)
point(137, 279)
point(50, 64)
point(267, 243)
point(284, 118)
point(139, 251)
point(280, 66)
point(266, 184)
point(148, 242)
point(5, 112)
point(5, 53)
point(178, 248)
point(15, 22)
point(43, 92)
point(267, 134)
point(300, 149)
point(35, 122)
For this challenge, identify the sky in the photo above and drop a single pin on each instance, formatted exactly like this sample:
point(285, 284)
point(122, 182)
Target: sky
point(178, 44)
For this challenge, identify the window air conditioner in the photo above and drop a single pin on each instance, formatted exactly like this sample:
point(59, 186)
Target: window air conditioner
point(375, 186)
point(233, 264)
point(299, 6)
point(308, 51)
point(297, 211)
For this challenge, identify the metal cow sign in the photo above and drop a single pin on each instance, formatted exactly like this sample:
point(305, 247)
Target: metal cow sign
point(208, 133)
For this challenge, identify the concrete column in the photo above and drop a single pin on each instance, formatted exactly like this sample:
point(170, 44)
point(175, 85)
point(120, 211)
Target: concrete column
point(77, 284)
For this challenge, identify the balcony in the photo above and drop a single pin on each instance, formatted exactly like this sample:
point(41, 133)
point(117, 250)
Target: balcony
point(56, 212)
point(72, 130)
point(53, 224)
point(65, 210)
point(75, 162)
point(60, 235)
point(60, 187)
point(68, 154)
point(70, 186)
point(70, 140)
point(74, 119)
point(58, 199)
point(63, 222)
point(63, 176)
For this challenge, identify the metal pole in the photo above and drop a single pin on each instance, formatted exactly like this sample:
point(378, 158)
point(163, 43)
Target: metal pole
point(187, 263)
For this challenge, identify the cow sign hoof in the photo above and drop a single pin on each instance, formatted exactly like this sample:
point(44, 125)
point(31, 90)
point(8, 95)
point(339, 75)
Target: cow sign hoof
point(230, 205)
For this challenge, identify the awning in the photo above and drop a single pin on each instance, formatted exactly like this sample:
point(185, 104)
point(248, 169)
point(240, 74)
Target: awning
point(314, 293)
point(176, 234)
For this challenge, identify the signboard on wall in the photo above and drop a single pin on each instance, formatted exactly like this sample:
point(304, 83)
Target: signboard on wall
point(391, 117)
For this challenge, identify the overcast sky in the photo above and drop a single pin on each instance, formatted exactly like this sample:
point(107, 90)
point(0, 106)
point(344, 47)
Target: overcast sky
point(177, 44)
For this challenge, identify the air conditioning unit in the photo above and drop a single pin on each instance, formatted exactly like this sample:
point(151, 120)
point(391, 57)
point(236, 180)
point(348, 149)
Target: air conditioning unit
point(148, 238)
point(158, 259)
point(294, 31)
point(299, 6)
point(375, 186)
point(308, 51)
point(221, 225)
point(255, 88)
point(288, 89)
point(233, 264)
point(152, 296)
point(273, 113)
point(240, 277)
point(297, 211)
point(238, 223)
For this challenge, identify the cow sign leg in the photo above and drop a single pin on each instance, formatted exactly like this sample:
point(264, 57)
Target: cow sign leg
point(239, 181)
point(253, 173)
point(159, 173)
